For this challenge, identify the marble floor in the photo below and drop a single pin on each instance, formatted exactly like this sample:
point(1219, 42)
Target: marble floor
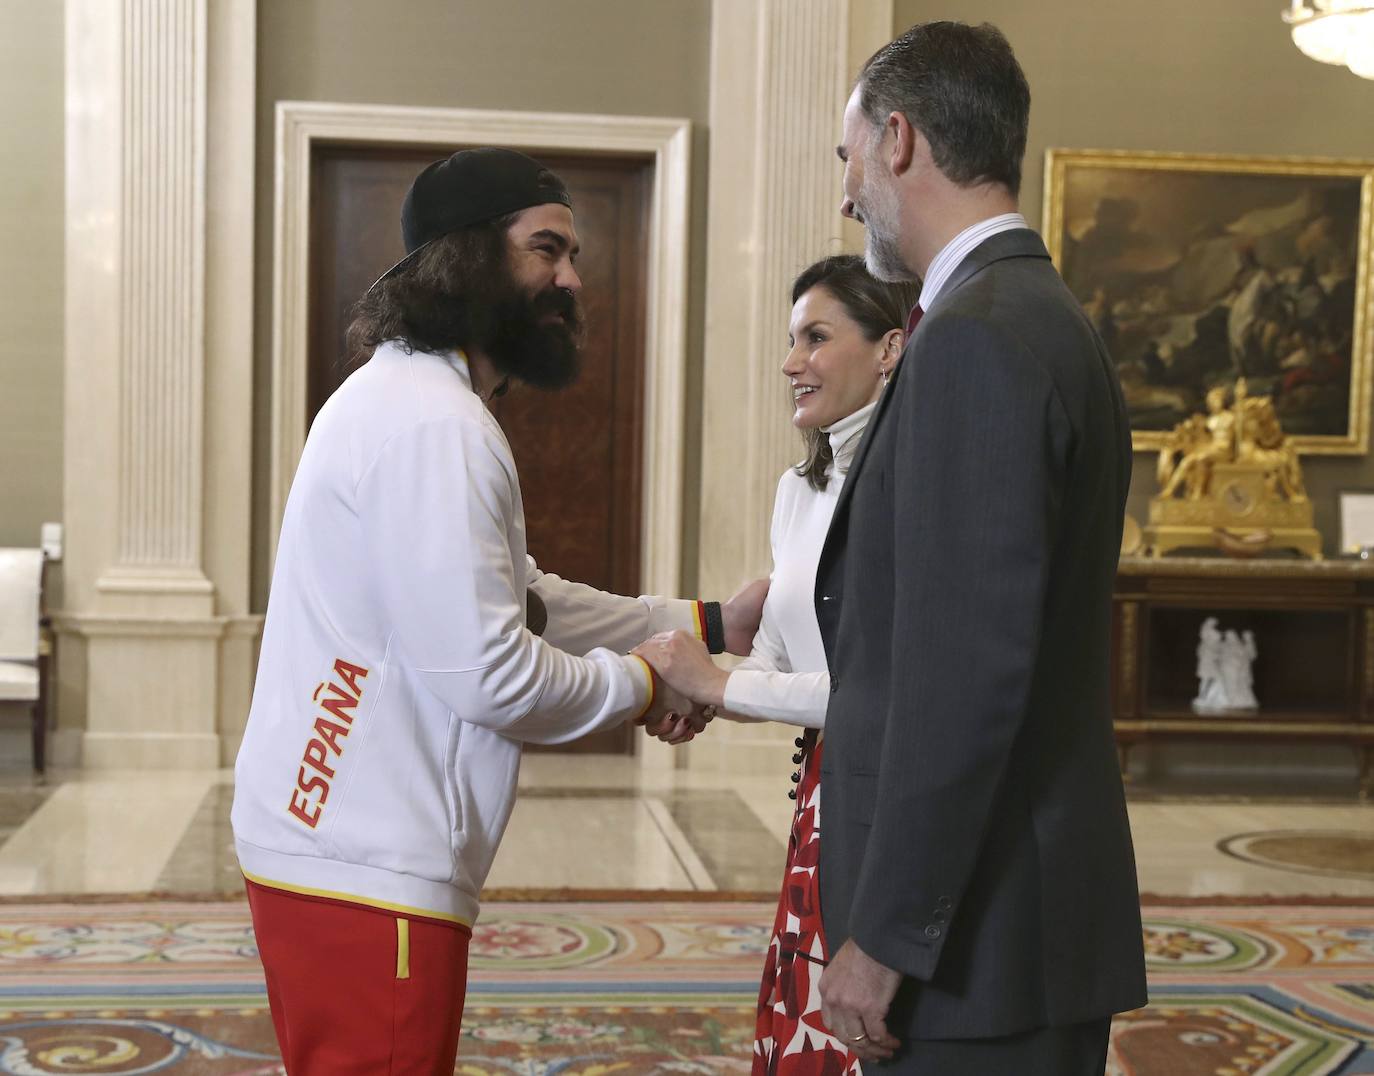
point(109, 833)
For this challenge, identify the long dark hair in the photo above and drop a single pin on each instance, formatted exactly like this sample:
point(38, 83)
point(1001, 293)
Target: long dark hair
point(440, 301)
point(876, 306)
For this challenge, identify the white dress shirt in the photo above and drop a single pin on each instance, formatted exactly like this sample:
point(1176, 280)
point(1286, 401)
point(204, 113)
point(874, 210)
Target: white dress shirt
point(785, 677)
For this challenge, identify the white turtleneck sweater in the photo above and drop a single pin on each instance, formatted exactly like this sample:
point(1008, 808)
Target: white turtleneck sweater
point(785, 676)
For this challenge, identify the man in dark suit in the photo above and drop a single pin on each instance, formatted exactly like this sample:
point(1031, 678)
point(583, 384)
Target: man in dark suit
point(977, 878)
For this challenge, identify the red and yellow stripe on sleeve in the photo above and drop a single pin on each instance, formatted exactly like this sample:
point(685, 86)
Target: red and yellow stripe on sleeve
point(653, 685)
point(699, 619)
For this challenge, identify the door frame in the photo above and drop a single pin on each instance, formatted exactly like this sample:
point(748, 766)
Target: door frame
point(301, 124)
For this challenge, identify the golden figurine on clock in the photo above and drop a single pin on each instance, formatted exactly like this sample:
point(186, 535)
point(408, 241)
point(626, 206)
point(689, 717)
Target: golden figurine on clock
point(1231, 479)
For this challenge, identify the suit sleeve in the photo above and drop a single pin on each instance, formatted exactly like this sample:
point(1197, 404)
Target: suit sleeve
point(981, 450)
point(437, 506)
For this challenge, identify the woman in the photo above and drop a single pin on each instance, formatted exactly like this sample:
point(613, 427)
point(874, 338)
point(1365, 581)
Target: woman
point(845, 337)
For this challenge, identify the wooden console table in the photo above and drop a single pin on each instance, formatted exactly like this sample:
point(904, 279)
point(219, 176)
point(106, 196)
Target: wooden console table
point(1314, 626)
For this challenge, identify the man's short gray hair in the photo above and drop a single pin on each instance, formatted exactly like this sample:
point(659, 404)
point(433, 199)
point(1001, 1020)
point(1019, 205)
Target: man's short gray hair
point(961, 87)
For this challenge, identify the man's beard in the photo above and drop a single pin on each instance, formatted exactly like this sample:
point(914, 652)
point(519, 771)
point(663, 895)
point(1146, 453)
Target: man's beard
point(882, 217)
point(524, 346)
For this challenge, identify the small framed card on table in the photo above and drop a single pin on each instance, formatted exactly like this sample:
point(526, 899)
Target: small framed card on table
point(1357, 520)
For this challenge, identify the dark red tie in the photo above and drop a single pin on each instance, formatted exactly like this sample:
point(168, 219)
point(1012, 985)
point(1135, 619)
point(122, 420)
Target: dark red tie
point(913, 319)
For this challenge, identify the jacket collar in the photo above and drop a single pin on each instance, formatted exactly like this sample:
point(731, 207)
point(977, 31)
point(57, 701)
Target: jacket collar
point(458, 360)
point(1017, 243)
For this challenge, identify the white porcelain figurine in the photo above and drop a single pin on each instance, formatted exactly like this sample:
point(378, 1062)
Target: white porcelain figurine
point(1225, 669)
point(1211, 692)
point(1237, 671)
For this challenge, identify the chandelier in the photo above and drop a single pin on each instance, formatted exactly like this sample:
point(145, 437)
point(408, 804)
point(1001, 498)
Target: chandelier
point(1335, 32)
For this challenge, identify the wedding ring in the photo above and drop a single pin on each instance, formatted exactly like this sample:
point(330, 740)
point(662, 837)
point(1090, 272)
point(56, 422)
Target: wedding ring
point(858, 1038)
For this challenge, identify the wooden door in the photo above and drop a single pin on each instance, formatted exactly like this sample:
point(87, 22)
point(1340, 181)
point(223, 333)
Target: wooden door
point(578, 451)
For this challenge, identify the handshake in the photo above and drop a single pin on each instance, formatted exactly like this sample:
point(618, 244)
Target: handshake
point(689, 686)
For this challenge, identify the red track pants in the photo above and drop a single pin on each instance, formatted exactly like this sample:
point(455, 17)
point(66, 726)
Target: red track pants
point(359, 990)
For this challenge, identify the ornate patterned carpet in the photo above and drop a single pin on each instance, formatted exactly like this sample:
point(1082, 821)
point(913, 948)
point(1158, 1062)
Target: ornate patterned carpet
point(625, 989)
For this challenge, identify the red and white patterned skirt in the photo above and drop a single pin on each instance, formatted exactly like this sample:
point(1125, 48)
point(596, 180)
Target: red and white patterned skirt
point(790, 1039)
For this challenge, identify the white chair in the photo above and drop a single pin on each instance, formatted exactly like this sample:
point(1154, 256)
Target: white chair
point(22, 650)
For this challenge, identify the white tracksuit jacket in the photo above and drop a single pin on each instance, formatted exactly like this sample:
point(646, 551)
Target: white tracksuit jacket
point(397, 679)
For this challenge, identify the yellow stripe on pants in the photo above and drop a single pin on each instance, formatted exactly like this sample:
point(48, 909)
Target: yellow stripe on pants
point(403, 948)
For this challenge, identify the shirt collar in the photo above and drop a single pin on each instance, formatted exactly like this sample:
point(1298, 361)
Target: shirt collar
point(959, 248)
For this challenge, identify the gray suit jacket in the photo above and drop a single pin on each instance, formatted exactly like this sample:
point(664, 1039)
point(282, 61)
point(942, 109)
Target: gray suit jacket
point(975, 833)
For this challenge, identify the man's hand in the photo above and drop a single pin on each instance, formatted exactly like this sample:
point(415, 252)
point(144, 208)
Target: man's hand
point(740, 616)
point(856, 992)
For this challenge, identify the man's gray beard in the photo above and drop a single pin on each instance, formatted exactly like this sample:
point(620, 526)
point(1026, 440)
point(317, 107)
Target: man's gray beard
point(882, 225)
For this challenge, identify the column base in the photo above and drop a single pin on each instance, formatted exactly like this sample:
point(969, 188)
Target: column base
point(155, 688)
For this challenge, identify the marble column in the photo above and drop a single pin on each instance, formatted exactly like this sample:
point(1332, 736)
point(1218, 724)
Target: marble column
point(781, 71)
point(155, 642)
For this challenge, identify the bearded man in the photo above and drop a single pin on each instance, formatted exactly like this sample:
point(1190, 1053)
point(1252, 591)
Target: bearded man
point(398, 676)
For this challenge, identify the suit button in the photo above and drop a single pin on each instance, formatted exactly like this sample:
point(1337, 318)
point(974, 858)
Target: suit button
point(798, 757)
point(834, 684)
point(799, 742)
point(796, 778)
point(944, 902)
point(940, 916)
point(792, 794)
point(933, 932)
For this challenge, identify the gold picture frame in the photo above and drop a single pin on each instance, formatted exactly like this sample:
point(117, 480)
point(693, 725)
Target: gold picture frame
point(1199, 269)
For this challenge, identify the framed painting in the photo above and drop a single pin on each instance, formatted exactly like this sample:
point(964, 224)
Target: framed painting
point(1202, 270)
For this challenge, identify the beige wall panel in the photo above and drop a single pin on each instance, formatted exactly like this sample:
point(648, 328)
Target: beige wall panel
point(31, 259)
point(229, 272)
point(69, 694)
point(238, 657)
point(607, 56)
point(1219, 77)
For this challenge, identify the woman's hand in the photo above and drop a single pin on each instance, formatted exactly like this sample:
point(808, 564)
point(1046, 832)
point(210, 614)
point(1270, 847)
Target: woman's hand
point(677, 729)
point(685, 666)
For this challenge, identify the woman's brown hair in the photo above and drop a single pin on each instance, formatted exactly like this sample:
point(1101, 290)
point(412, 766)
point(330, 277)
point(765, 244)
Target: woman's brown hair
point(876, 306)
